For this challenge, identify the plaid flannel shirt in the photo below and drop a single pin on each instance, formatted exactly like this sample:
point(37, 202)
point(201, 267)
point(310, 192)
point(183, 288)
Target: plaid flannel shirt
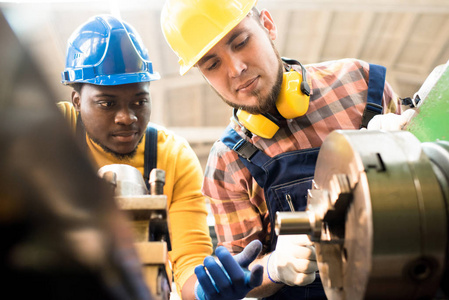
point(337, 101)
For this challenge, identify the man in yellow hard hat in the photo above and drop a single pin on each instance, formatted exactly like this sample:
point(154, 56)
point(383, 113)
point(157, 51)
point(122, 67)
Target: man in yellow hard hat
point(265, 160)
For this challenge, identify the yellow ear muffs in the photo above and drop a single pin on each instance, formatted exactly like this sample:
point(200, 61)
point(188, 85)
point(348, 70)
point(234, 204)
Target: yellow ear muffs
point(293, 101)
point(261, 125)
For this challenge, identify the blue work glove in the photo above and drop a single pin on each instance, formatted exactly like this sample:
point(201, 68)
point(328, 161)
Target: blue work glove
point(229, 278)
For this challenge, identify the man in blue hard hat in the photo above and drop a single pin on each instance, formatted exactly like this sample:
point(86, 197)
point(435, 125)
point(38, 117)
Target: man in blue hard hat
point(110, 72)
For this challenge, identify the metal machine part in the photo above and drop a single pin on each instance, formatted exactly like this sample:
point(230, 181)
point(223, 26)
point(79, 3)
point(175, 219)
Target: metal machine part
point(149, 219)
point(127, 180)
point(378, 215)
point(157, 182)
point(432, 123)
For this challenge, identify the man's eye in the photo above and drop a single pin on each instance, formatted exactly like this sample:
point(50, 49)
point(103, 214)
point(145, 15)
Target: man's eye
point(141, 102)
point(214, 65)
point(106, 103)
point(241, 44)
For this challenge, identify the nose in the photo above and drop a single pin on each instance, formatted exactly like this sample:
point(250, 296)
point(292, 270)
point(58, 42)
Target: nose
point(236, 66)
point(125, 116)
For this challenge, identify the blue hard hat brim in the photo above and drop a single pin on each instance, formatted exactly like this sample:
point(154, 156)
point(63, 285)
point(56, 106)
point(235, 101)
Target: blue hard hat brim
point(116, 79)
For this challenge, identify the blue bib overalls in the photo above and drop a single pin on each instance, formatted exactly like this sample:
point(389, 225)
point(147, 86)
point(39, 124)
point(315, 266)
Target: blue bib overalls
point(286, 177)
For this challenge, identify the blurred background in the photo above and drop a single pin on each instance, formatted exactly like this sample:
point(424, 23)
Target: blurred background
point(409, 37)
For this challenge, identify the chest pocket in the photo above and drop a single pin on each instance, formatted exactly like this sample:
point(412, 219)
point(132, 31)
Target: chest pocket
point(292, 196)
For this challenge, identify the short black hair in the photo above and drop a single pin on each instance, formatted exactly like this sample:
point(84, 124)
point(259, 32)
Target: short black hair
point(77, 87)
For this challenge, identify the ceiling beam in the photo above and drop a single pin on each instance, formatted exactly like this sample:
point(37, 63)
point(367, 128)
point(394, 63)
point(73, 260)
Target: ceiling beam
point(430, 6)
point(403, 36)
point(322, 28)
point(362, 36)
point(283, 24)
point(441, 40)
point(408, 77)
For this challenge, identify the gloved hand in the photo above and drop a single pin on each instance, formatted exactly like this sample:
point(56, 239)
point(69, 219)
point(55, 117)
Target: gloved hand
point(229, 278)
point(294, 260)
point(391, 121)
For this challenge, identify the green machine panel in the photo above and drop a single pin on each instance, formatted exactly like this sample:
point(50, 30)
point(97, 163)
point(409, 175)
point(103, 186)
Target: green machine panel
point(432, 121)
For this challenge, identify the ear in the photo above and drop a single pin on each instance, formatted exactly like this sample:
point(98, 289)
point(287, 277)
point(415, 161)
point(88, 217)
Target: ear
point(76, 100)
point(267, 21)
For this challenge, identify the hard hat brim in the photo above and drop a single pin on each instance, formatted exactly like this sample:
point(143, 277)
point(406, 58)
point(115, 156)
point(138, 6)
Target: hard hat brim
point(116, 79)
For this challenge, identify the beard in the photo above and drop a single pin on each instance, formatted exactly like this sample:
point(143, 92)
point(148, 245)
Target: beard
point(265, 104)
point(120, 156)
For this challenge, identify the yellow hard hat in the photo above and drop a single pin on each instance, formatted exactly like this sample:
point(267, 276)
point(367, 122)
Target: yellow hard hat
point(193, 27)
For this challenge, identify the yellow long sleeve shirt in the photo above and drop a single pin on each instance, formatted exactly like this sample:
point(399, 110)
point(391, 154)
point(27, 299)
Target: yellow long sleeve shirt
point(187, 212)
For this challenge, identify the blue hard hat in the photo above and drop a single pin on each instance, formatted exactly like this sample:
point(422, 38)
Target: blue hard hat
point(107, 51)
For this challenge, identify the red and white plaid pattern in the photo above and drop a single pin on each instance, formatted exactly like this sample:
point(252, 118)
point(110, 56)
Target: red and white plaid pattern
point(338, 99)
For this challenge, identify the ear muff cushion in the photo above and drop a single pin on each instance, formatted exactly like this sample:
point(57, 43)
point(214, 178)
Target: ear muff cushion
point(292, 102)
point(257, 124)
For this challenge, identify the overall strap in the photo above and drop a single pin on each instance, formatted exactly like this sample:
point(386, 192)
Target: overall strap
point(376, 85)
point(251, 156)
point(150, 159)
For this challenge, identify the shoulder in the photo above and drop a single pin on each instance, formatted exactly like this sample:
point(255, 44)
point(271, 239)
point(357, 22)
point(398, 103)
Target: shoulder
point(338, 66)
point(341, 71)
point(69, 112)
point(220, 150)
point(338, 63)
point(224, 160)
point(167, 137)
point(171, 145)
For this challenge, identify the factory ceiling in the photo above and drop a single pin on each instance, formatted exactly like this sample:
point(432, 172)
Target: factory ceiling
point(409, 37)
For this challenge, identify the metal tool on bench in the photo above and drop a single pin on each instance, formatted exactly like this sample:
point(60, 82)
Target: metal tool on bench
point(148, 215)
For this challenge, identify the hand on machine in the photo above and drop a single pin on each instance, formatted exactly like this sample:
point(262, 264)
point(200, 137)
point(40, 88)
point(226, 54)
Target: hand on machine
point(229, 277)
point(391, 121)
point(294, 260)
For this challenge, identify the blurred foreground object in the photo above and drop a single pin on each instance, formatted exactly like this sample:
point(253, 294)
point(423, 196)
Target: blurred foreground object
point(63, 236)
point(148, 214)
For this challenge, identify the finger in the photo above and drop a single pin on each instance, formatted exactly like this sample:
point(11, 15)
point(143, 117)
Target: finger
point(255, 277)
point(406, 116)
point(218, 274)
point(302, 279)
point(304, 266)
point(233, 269)
point(374, 124)
point(303, 252)
point(205, 281)
point(249, 254)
